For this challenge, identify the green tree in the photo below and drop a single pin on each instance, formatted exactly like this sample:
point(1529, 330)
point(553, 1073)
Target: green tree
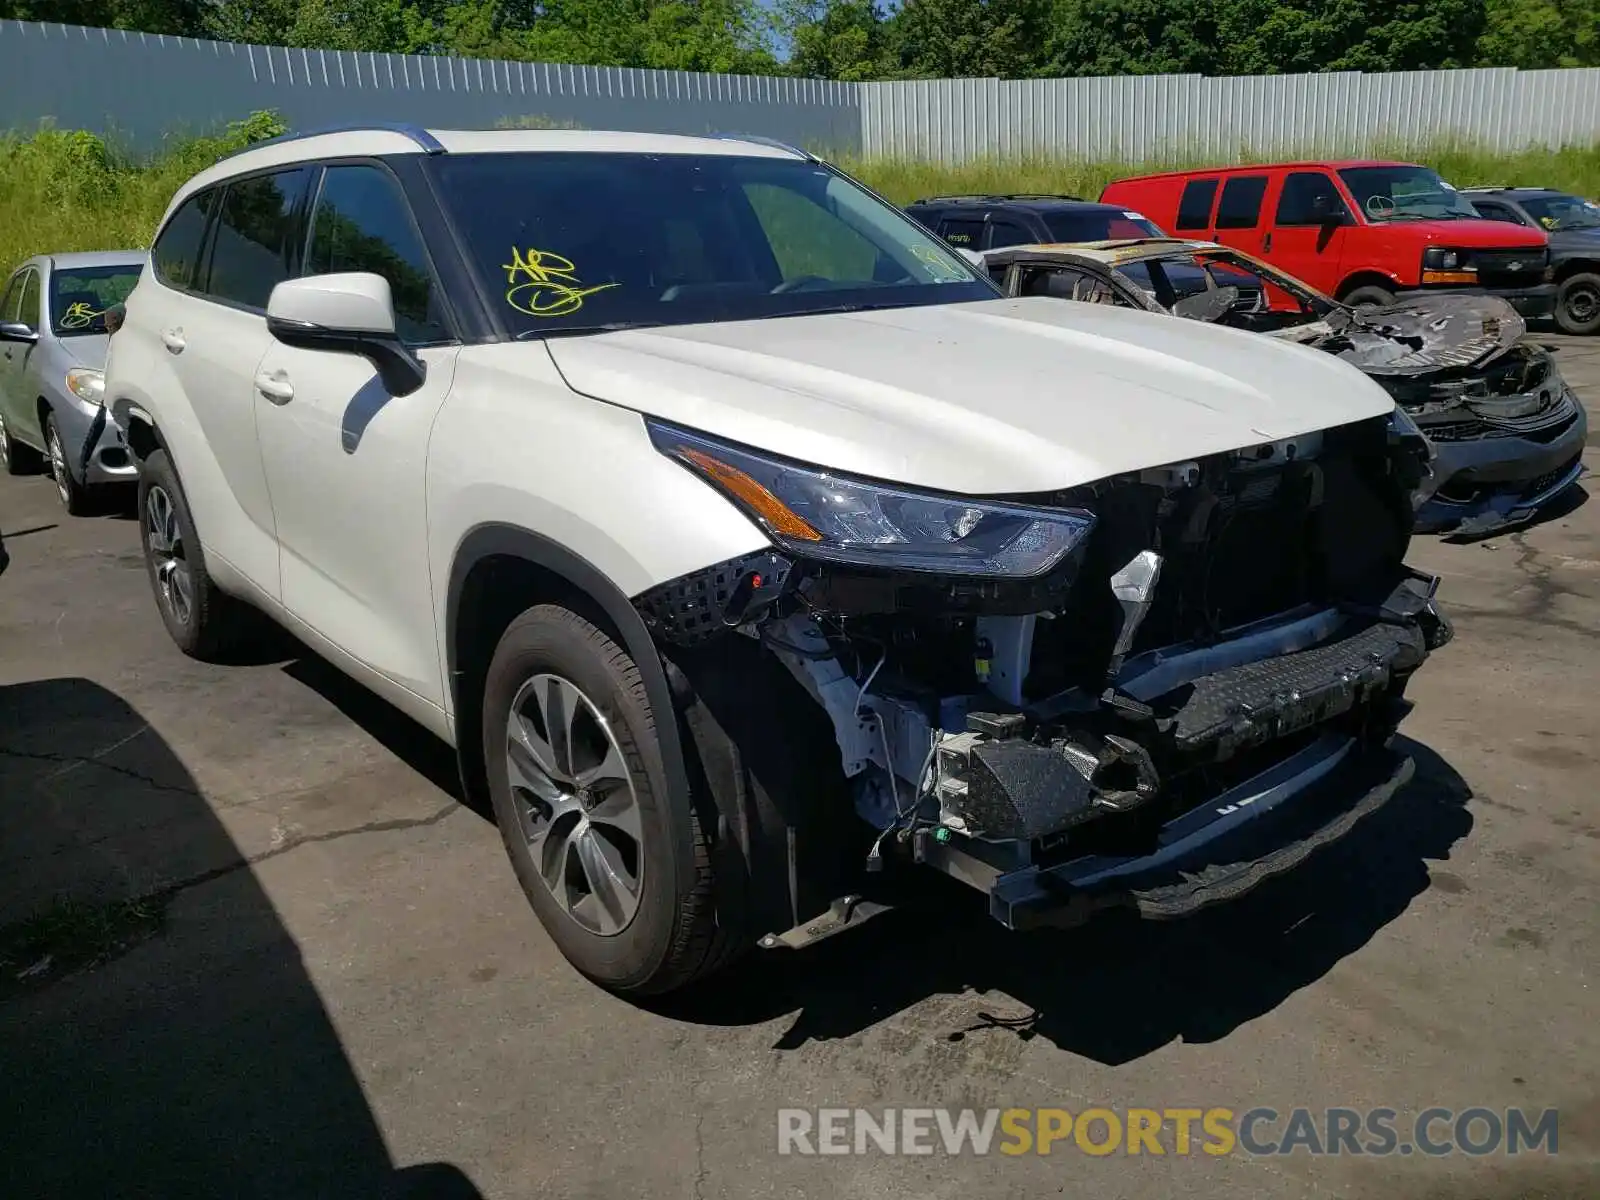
point(182, 17)
point(836, 39)
point(946, 39)
point(1540, 33)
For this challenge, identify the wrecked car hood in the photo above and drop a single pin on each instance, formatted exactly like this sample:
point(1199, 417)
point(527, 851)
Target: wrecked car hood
point(1416, 336)
point(1001, 396)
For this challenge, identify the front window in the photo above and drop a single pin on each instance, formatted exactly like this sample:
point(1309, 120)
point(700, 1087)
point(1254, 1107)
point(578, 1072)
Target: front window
point(1091, 226)
point(579, 242)
point(1404, 193)
point(1560, 214)
point(80, 296)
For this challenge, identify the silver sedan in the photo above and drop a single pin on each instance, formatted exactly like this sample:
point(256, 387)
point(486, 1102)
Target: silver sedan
point(57, 313)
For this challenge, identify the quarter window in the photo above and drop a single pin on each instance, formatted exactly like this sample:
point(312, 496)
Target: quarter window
point(257, 242)
point(1194, 207)
point(1240, 207)
point(362, 223)
point(176, 254)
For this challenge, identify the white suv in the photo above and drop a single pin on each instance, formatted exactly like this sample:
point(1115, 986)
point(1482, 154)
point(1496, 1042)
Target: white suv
point(744, 540)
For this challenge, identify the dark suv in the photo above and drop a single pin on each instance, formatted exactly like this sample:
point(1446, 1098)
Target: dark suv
point(1573, 227)
point(1024, 219)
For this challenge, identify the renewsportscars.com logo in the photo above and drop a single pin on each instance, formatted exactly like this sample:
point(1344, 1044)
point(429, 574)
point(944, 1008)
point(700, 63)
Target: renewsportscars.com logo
point(1260, 1131)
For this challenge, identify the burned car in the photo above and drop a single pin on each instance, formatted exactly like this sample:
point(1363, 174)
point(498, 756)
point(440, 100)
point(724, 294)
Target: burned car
point(1506, 430)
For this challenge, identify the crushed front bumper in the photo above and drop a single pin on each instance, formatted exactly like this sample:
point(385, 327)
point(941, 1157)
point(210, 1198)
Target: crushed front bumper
point(1497, 483)
point(1235, 810)
point(1216, 852)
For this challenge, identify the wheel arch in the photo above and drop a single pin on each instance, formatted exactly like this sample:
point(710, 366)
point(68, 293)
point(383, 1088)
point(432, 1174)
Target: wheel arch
point(144, 435)
point(497, 572)
point(1367, 277)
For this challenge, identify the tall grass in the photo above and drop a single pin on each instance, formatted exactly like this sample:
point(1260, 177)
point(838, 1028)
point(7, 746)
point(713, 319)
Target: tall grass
point(66, 190)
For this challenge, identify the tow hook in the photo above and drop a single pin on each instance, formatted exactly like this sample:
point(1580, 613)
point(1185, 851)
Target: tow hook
point(847, 912)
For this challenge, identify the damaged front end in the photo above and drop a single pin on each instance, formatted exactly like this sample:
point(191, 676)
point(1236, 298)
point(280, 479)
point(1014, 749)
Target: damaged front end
point(1506, 430)
point(1188, 684)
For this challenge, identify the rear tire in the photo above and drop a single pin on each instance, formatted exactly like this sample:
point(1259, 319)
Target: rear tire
point(1369, 296)
point(1578, 303)
point(15, 458)
point(205, 623)
point(77, 498)
point(617, 868)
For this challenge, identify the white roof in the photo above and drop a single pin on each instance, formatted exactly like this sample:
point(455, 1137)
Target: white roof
point(383, 141)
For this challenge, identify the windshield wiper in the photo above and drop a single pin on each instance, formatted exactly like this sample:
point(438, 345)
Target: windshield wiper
point(528, 335)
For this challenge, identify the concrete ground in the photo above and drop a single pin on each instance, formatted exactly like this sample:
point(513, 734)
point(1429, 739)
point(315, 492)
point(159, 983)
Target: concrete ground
point(349, 997)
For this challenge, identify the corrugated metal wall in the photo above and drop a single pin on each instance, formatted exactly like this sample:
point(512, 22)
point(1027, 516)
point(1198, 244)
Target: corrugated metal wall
point(1153, 117)
point(144, 87)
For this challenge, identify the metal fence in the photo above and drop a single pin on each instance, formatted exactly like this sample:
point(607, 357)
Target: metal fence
point(141, 88)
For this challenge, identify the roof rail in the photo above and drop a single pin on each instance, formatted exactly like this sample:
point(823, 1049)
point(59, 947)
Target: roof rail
point(418, 135)
point(758, 140)
point(1003, 196)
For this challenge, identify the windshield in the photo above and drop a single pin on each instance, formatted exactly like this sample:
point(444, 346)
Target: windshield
point(1563, 213)
point(80, 296)
point(1091, 226)
point(1402, 193)
point(581, 242)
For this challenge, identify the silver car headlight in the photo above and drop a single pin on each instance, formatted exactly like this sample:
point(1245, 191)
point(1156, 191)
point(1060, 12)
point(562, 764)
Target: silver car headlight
point(87, 384)
point(818, 514)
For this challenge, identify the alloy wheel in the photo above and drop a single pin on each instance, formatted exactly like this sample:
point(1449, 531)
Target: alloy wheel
point(577, 803)
point(165, 539)
point(58, 466)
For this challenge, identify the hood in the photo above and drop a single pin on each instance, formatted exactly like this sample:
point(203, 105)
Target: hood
point(1471, 234)
point(1417, 336)
point(86, 350)
point(997, 396)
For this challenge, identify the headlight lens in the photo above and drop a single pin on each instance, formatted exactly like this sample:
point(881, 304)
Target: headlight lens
point(839, 519)
point(87, 384)
point(1438, 258)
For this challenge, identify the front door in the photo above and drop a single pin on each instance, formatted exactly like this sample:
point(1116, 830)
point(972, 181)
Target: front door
point(12, 356)
point(345, 460)
point(1309, 228)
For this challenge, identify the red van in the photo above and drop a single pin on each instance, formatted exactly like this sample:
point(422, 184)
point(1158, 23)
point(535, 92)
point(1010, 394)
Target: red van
point(1364, 232)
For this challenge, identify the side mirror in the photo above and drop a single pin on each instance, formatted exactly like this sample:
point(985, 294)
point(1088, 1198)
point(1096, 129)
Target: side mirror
point(350, 313)
point(16, 331)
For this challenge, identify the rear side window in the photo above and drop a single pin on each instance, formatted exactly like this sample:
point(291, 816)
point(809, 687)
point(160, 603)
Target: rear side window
point(965, 232)
point(257, 241)
point(362, 223)
point(176, 254)
point(1241, 202)
point(1308, 198)
point(1194, 207)
point(30, 302)
point(1005, 232)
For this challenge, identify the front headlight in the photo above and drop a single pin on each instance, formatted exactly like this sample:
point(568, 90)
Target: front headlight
point(1438, 258)
point(87, 384)
point(817, 514)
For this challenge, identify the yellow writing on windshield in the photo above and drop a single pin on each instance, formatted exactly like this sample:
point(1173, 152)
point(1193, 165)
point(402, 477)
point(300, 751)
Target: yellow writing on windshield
point(545, 284)
point(80, 316)
point(940, 268)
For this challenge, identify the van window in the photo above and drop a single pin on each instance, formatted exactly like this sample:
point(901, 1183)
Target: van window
point(258, 239)
point(962, 231)
point(1241, 202)
point(176, 253)
point(1004, 232)
point(1194, 209)
point(1309, 198)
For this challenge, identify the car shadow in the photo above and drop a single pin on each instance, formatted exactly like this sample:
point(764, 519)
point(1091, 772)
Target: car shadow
point(1118, 988)
point(159, 1033)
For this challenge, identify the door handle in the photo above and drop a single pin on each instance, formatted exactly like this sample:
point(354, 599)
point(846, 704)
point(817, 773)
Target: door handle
point(275, 387)
point(1266, 244)
point(172, 339)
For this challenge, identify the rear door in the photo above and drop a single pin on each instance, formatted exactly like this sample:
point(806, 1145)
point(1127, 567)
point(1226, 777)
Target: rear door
point(1238, 221)
point(1310, 225)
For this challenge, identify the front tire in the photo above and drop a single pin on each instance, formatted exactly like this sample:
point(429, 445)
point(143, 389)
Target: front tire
point(1370, 296)
point(75, 497)
point(614, 863)
point(1578, 303)
point(203, 621)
